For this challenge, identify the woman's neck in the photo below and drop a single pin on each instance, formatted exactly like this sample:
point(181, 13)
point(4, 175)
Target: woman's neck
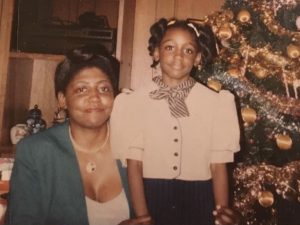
point(89, 140)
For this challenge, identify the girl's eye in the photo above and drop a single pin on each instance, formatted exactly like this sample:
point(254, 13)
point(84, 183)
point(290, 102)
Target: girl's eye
point(169, 47)
point(189, 51)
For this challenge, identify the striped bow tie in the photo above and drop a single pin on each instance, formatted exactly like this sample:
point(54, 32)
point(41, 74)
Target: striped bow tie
point(175, 96)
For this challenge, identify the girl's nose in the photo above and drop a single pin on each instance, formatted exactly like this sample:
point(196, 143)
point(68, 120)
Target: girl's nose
point(178, 53)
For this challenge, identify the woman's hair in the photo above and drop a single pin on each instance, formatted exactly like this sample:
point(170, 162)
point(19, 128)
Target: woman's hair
point(203, 34)
point(86, 57)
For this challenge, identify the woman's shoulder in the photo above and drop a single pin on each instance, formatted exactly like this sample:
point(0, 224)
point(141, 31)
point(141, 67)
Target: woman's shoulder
point(44, 140)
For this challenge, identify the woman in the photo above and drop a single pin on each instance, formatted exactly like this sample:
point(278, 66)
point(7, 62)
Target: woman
point(68, 174)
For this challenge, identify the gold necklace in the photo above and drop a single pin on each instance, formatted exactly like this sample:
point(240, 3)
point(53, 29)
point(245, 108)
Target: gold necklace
point(91, 165)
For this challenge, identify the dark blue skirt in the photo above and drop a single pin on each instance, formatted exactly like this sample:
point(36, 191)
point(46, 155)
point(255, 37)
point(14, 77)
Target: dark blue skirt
point(178, 202)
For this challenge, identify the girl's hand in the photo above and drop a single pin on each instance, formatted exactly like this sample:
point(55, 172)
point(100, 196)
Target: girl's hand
point(226, 216)
point(143, 220)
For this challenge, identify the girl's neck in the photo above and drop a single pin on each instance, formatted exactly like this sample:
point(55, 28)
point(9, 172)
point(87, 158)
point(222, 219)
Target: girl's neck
point(173, 82)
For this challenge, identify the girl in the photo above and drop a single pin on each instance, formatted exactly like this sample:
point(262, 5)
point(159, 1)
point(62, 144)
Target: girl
point(177, 135)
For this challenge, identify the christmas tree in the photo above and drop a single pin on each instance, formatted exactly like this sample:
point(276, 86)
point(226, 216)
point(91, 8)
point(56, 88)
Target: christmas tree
point(259, 62)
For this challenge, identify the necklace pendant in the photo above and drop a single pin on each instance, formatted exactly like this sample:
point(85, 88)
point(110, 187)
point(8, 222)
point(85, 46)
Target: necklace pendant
point(90, 167)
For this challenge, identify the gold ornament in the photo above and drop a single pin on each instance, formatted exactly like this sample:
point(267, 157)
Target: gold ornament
point(248, 115)
point(293, 51)
point(243, 16)
point(214, 84)
point(284, 141)
point(234, 72)
point(225, 31)
point(259, 71)
point(265, 198)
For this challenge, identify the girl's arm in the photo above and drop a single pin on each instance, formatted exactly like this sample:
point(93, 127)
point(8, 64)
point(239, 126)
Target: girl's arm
point(136, 187)
point(220, 183)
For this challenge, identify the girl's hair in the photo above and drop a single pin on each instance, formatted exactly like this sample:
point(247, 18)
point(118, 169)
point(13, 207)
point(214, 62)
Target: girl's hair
point(203, 34)
point(86, 57)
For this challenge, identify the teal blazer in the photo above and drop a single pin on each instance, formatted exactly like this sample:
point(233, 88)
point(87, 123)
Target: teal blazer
point(45, 186)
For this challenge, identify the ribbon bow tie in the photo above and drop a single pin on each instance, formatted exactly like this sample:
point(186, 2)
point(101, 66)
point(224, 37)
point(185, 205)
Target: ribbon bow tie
point(175, 96)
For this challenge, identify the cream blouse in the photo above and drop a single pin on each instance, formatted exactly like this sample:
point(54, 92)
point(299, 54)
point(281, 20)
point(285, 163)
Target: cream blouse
point(183, 148)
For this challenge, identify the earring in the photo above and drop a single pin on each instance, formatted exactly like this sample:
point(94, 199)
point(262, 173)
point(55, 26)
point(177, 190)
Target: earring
point(60, 115)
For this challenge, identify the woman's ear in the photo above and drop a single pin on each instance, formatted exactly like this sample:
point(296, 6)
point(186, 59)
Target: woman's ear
point(61, 100)
point(156, 54)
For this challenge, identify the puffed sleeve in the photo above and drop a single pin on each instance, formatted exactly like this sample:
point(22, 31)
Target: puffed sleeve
point(226, 131)
point(126, 136)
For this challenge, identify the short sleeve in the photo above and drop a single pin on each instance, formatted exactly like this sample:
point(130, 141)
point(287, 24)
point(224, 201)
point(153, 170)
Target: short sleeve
point(226, 131)
point(126, 136)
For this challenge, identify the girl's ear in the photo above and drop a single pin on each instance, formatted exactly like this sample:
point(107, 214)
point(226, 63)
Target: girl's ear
point(197, 59)
point(61, 100)
point(156, 54)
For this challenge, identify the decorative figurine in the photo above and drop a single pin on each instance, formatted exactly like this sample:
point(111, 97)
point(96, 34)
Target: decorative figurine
point(34, 121)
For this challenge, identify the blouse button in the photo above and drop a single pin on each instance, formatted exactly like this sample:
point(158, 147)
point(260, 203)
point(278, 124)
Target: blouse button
point(176, 154)
point(175, 140)
point(174, 167)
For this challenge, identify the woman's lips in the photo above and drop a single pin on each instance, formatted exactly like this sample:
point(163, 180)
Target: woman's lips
point(89, 110)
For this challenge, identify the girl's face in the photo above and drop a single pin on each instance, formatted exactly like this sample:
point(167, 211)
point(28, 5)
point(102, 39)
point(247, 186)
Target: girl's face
point(88, 98)
point(177, 53)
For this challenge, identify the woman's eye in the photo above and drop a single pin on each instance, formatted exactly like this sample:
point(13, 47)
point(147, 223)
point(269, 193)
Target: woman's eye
point(105, 89)
point(80, 90)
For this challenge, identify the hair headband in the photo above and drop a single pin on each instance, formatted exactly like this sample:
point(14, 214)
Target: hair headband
point(194, 28)
point(191, 25)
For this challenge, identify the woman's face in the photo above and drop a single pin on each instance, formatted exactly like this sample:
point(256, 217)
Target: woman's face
point(88, 98)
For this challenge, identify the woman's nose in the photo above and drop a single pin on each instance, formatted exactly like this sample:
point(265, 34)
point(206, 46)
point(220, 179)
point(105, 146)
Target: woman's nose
point(94, 94)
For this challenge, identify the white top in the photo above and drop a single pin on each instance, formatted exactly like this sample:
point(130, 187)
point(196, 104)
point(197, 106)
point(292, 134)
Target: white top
point(183, 148)
point(109, 213)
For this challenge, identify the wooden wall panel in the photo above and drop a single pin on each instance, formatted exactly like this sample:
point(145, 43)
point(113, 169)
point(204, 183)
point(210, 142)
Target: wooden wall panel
point(141, 61)
point(165, 9)
point(17, 93)
point(6, 16)
point(196, 8)
point(125, 40)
